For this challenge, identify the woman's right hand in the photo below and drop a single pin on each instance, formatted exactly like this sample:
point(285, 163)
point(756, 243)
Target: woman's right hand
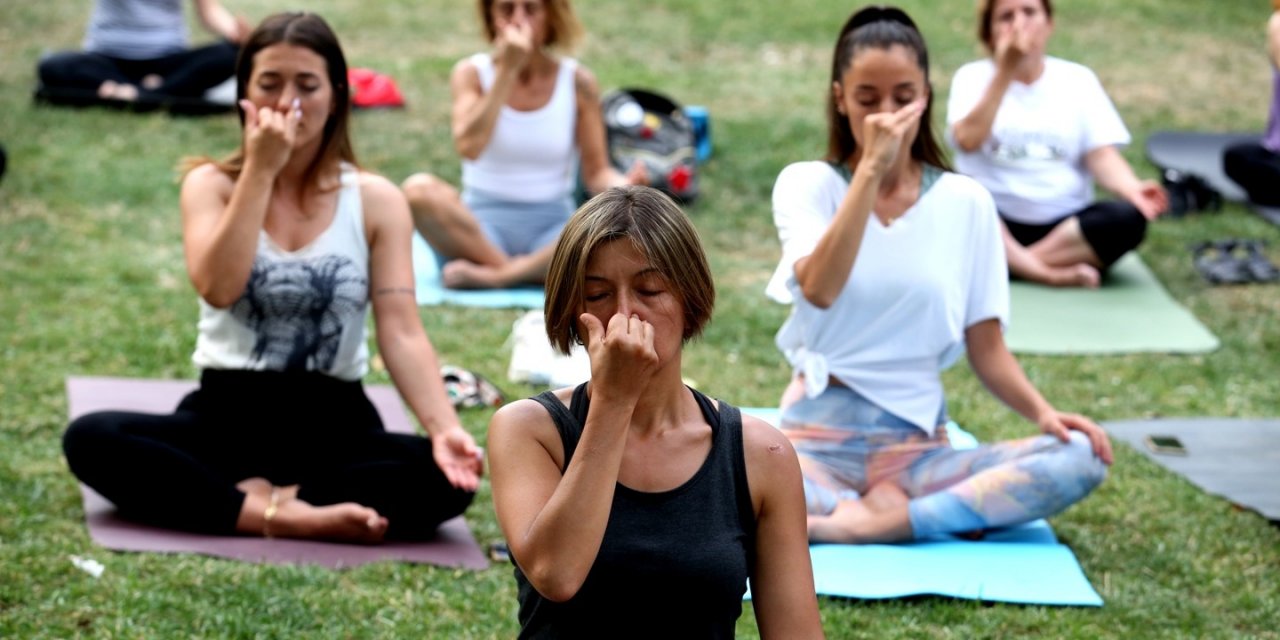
point(514, 46)
point(269, 135)
point(622, 355)
point(1013, 43)
point(882, 134)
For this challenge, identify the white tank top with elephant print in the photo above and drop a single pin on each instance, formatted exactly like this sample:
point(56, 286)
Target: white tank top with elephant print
point(301, 310)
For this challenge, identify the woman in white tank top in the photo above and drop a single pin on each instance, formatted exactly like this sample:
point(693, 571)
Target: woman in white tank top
point(523, 117)
point(289, 245)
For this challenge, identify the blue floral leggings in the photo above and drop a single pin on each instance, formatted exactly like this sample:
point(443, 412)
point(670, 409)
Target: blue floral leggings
point(848, 444)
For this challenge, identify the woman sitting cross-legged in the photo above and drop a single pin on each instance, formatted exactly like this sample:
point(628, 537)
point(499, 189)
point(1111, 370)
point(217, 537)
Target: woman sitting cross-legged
point(895, 268)
point(1037, 131)
point(289, 244)
point(523, 118)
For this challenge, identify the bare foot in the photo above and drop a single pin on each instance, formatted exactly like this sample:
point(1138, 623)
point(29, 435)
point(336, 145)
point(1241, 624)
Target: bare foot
point(1077, 275)
point(885, 496)
point(151, 82)
point(880, 516)
point(112, 90)
point(464, 274)
point(258, 487)
point(345, 522)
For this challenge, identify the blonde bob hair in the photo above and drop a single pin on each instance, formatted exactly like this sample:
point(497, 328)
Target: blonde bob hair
point(657, 228)
point(564, 32)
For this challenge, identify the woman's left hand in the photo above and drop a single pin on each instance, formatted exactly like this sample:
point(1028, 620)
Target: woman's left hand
point(1060, 426)
point(458, 457)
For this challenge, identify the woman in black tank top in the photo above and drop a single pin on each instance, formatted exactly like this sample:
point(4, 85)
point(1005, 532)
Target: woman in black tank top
point(634, 493)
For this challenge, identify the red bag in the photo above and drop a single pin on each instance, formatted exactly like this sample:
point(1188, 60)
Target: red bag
point(370, 89)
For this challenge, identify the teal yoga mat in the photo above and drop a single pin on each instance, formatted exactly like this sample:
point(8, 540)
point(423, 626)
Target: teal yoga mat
point(1130, 313)
point(430, 290)
point(1023, 565)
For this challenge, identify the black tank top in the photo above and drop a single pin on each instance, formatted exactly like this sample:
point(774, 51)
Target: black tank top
point(672, 564)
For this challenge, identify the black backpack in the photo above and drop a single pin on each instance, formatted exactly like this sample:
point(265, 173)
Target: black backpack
point(652, 128)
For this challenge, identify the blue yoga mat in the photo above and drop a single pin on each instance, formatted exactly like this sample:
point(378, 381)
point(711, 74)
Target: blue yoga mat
point(1024, 564)
point(431, 291)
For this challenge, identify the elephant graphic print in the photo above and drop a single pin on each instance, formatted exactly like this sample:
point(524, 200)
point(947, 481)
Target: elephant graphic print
point(299, 309)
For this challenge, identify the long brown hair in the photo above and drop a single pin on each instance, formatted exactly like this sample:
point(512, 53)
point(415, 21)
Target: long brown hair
point(312, 32)
point(879, 27)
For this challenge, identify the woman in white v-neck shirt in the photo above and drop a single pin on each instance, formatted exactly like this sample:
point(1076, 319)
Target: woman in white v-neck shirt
point(895, 268)
point(289, 246)
point(1037, 131)
point(524, 117)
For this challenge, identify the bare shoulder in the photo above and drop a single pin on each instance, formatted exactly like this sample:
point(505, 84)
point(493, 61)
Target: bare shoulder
point(464, 72)
point(383, 202)
point(517, 425)
point(208, 178)
point(584, 81)
point(372, 184)
point(766, 448)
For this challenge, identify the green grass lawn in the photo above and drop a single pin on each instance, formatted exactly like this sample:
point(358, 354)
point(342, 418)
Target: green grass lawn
point(92, 283)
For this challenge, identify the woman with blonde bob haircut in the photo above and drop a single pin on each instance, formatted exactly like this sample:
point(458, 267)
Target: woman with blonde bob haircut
point(675, 500)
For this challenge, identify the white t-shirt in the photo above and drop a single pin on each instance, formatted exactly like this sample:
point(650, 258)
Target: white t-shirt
point(1033, 162)
point(532, 156)
point(915, 287)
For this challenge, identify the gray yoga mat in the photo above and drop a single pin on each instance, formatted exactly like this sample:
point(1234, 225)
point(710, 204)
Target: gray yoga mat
point(1199, 153)
point(453, 546)
point(1238, 459)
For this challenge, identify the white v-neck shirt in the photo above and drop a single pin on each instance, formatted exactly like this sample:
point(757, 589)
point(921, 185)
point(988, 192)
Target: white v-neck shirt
point(915, 287)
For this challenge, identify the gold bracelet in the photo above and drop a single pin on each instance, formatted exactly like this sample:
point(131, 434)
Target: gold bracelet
point(270, 512)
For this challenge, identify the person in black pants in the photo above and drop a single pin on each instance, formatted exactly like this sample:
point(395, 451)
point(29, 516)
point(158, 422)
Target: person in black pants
point(1255, 166)
point(288, 244)
point(138, 53)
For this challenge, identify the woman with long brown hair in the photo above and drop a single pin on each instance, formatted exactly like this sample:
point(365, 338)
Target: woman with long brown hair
point(289, 245)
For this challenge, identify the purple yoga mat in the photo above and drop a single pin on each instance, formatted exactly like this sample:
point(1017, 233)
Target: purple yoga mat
point(454, 545)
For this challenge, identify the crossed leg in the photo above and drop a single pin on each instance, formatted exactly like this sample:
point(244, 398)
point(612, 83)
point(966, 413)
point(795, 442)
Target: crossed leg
point(915, 492)
point(1063, 258)
point(475, 262)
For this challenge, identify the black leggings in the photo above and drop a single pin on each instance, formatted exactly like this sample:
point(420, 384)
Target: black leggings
point(186, 74)
point(1112, 228)
point(1257, 170)
point(180, 470)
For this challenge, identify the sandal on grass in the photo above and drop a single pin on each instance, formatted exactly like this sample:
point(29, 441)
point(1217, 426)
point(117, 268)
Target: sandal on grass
point(467, 389)
point(1217, 262)
point(1256, 262)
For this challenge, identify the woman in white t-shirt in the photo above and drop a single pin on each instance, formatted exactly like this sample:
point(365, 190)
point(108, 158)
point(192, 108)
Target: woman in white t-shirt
point(895, 267)
point(523, 116)
point(1037, 131)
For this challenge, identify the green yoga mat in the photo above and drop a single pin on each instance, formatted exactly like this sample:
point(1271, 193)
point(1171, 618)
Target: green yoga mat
point(1130, 313)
